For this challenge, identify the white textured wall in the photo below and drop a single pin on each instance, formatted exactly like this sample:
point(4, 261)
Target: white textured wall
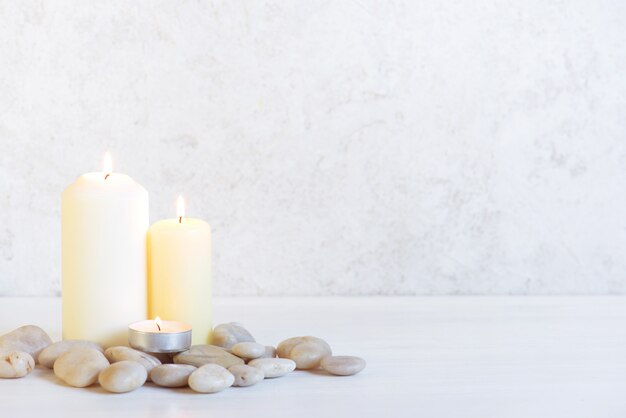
point(337, 147)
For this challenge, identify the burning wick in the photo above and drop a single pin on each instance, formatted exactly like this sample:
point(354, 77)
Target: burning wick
point(180, 209)
point(108, 165)
point(157, 321)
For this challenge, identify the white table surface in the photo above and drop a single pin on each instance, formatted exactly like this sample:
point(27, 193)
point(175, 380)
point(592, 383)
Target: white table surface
point(427, 357)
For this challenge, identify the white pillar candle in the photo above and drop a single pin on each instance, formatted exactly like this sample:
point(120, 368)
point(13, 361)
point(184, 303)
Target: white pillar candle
point(179, 285)
point(104, 262)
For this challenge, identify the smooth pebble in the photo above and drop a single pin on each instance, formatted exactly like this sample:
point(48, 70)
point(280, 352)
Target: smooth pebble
point(227, 335)
point(199, 355)
point(16, 364)
point(121, 353)
point(343, 365)
point(123, 376)
point(273, 367)
point(307, 351)
point(80, 367)
point(246, 375)
point(172, 375)
point(29, 338)
point(248, 350)
point(48, 355)
point(270, 352)
point(210, 378)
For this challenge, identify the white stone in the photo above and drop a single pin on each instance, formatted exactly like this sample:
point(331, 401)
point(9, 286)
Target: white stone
point(270, 352)
point(246, 375)
point(80, 367)
point(273, 367)
point(48, 355)
point(307, 352)
point(29, 338)
point(210, 378)
point(248, 350)
point(121, 353)
point(172, 375)
point(227, 335)
point(199, 355)
point(123, 376)
point(343, 365)
point(16, 364)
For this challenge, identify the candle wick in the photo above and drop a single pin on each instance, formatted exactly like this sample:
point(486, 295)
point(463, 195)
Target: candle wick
point(180, 219)
point(107, 176)
point(158, 326)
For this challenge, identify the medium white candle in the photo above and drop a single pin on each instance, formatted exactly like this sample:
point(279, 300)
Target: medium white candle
point(104, 224)
point(180, 272)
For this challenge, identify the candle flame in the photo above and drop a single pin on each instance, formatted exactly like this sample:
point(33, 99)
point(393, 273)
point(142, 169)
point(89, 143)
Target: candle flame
point(157, 322)
point(180, 208)
point(108, 165)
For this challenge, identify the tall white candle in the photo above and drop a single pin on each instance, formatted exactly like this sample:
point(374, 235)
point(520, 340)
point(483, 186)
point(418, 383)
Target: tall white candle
point(104, 224)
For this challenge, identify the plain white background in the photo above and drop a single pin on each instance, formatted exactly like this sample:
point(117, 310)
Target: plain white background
point(336, 147)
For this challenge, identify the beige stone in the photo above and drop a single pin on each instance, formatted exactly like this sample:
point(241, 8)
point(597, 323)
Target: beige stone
point(29, 338)
point(199, 355)
point(210, 378)
point(80, 367)
point(246, 375)
point(15, 364)
point(121, 353)
point(248, 350)
point(227, 335)
point(342, 365)
point(270, 352)
point(307, 351)
point(273, 367)
point(48, 355)
point(123, 376)
point(172, 375)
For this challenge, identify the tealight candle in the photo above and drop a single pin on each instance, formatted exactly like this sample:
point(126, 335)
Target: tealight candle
point(157, 336)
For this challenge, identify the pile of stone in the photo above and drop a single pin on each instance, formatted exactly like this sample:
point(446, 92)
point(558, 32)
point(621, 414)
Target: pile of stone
point(234, 359)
